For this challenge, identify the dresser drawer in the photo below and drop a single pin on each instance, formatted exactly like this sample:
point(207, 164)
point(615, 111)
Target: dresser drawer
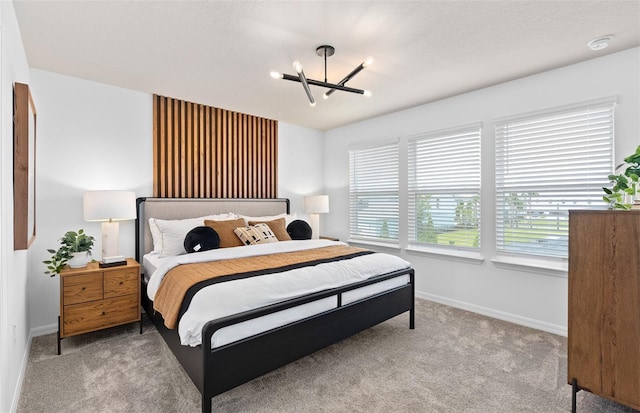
point(79, 318)
point(82, 288)
point(121, 282)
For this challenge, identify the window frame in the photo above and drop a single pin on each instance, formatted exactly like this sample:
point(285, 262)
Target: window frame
point(358, 236)
point(471, 131)
point(510, 256)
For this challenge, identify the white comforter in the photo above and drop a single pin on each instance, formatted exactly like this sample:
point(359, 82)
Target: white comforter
point(226, 298)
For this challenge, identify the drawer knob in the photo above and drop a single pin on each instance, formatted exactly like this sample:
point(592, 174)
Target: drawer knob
point(121, 282)
point(84, 288)
point(103, 313)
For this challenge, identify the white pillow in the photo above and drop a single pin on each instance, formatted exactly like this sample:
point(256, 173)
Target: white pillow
point(156, 236)
point(287, 218)
point(169, 239)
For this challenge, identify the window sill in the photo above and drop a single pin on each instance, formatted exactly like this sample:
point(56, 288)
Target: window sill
point(556, 268)
point(390, 246)
point(471, 257)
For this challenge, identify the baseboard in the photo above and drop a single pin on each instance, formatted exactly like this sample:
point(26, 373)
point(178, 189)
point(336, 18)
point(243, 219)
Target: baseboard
point(34, 332)
point(500, 315)
point(41, 331)
point(23, 369)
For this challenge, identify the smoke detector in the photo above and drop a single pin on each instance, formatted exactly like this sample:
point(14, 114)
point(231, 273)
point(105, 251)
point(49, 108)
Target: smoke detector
point(600, 42)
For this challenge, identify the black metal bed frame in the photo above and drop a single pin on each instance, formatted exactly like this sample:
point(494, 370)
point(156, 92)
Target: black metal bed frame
point(214, 371)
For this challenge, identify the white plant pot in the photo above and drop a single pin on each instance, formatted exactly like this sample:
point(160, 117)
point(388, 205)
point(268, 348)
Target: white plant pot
point(79, 260)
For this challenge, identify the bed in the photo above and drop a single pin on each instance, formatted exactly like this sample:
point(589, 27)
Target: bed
point(227, 353)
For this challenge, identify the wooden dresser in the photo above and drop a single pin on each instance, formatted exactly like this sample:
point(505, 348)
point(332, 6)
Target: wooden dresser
point(93, 298)
point(604, 305)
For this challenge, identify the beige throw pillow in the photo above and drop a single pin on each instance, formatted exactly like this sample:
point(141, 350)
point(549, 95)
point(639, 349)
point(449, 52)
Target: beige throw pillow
point(225, 231)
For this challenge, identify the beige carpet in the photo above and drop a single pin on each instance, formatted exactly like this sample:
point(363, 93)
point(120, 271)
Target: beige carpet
point(454, 361)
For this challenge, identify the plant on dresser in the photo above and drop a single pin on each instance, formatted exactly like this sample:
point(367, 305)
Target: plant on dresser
point(625, 185)
point(72, 243)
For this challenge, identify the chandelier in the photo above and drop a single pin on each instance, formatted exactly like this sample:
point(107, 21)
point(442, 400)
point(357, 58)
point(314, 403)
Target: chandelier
point(324, 51)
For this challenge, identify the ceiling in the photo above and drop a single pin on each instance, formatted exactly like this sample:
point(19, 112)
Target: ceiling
point(220, 53)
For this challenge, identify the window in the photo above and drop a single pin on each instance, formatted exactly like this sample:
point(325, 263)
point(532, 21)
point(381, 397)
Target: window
point(546, 165)
point(373, 193)
point(444, 188)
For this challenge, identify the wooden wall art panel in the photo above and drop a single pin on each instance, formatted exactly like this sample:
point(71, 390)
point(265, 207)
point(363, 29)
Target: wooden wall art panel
point(205, 152)
point(24, 167)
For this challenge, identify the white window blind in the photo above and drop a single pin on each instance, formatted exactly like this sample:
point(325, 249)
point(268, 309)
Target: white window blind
point(373, 193)
point(546, 165)
point(444, 188)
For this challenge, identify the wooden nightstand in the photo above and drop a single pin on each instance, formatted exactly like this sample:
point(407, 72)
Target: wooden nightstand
point(94, 298)
point(329, 238)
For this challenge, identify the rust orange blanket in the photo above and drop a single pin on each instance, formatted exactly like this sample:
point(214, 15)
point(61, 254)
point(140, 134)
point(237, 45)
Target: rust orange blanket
point(181, 281)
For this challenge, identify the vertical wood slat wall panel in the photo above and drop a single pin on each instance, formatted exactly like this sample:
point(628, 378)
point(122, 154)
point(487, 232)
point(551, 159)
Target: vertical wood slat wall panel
point(203, 152)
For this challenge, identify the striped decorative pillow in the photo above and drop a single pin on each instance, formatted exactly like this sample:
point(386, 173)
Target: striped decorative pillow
point(277, 226)
point(255, 234)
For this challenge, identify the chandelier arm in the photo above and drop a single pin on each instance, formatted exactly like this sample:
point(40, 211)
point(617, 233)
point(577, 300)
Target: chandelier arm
point(323, 84)
point(347, 78)
point(334, 86)
point(305, 85)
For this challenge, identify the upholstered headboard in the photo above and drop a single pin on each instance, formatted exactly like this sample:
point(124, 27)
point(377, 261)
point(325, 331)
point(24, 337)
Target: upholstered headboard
point(180, 208)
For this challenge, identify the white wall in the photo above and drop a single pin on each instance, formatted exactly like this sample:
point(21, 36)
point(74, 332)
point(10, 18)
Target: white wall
point(534, 297)
point(14, 312)
point(300, 164)
point(91, 136)
point(96, 136)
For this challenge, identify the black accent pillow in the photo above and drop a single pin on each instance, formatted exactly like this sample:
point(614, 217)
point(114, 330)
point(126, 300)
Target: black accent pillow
point(201, 239)
point(299, 229)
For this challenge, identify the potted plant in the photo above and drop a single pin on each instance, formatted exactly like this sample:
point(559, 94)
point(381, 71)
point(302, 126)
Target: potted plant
point(625, 185)
point(75, 249)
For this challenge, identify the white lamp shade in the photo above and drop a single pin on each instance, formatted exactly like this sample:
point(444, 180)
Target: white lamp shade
point(316, 204)
point(109, 205)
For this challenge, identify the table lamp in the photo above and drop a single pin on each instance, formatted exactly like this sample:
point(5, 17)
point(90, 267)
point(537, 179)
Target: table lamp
point(110, 207)
point(315, 205)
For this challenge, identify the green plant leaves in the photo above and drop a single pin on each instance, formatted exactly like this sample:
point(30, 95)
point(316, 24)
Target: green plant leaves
point(71, 242)
point(626, 183)
point(634, 158)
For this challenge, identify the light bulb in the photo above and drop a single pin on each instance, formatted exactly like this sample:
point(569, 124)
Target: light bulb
point(367, 62)
point(312, 104)
point(276, 75)
point(367, 93)
point(325, 96)
point(297, 67)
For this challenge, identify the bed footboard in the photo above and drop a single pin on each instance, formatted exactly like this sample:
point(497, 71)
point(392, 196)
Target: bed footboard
point(231, 365)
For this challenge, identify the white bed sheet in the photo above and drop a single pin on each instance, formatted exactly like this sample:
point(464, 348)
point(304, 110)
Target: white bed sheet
point(227, 298)
point(150, 262)
point(230, 334)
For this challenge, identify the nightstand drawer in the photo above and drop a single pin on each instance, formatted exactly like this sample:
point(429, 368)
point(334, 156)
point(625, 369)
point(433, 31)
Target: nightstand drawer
point(82, 288)
point(122, 282)
point(95, 315)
